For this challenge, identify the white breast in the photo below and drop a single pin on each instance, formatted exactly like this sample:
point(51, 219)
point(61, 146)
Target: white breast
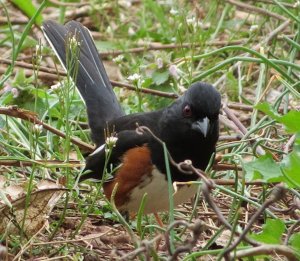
point(156, 187)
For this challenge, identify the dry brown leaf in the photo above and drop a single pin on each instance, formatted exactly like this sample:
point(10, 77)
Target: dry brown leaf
point(46, 184)
point(36, 211)
point(14, 192)
point(224, 238)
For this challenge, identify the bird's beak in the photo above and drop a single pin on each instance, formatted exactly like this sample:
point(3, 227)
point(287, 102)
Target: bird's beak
point(202, 126)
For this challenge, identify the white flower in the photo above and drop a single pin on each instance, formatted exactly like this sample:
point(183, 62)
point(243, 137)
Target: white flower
point(38, 51)
point(37, 128)
point(134, 77)
point(173, 11)
point(194, 22)
point(131, 31)
point(122, 18)
point(118, 59)
point(159, 63)
point(253, 28)
point(190, 20)
point(109, 29)
point(125, 3)
point(15, 92)
point(56, 86)
point(74, 43)
point(9, 89)
point(173, 70)
point(111, 141)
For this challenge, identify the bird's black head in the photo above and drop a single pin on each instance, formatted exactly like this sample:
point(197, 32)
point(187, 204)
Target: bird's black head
point(195, 113)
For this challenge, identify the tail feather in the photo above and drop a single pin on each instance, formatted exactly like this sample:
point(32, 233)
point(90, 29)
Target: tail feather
point(91, 78)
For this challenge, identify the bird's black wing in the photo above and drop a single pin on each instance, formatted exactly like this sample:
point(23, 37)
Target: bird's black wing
point(126, 140)
point(89, 74)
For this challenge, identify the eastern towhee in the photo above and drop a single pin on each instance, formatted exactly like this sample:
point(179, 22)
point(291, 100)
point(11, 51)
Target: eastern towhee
point(189, 127)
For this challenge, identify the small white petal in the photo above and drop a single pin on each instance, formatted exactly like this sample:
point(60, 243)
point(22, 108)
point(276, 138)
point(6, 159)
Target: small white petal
point(173, 11)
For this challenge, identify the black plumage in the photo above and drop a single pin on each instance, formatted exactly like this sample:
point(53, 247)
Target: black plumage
point(189, 126)
point(91, 78)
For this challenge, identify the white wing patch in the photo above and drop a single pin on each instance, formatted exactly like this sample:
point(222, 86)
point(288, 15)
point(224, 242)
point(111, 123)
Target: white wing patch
point(102, 147)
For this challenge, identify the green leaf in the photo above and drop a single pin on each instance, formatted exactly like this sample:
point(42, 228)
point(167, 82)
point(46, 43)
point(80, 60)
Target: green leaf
point(264, 168)
point(158, 12)
point(290, 120)
point(147, 82)
point(232, 86)
point(291, 169)
point(160, 77)
point(267, 109)
point(20, 77)
point(271, 232)
point(297, 142)
point(6, 98)
point(27, 7)
point(295, 241)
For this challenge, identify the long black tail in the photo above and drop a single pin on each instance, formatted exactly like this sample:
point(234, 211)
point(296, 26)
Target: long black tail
point(90, 77)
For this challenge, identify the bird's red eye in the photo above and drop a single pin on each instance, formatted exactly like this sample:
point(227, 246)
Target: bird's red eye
point(187, 111)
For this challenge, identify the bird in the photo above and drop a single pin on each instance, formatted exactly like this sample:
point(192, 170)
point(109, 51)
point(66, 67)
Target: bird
point(189, 128)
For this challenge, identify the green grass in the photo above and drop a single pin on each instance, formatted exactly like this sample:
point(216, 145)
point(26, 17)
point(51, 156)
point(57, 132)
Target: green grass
point(248, 72)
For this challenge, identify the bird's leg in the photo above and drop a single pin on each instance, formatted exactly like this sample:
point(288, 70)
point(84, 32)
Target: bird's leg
point(158, 220)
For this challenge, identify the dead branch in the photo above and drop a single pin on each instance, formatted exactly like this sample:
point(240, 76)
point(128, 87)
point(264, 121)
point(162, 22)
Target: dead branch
point(45, 163)
point(266, 250)
point(14, 111)
point(254, 9)
point(56, 73)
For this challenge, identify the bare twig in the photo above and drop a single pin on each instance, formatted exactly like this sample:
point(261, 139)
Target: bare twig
point(15, 112)
point(145, 247)
point(56, 72)
point(153, 47)
point(79, 239)
point(272, 3)
point(13, 20)
point(290, 232)
point(289, 144)
point(234, 119)
point(277, 193)
point(232, 182)
point(46, 163)
point(240, 106)
point(196, 229)
point(170, 228)
point(143, 90)
point(223, 166)
point(267, 41)
point(73, 13)
point(254, 9)
point(275, 32)
point(265, 250)
point(241, 127)
point(230, 138)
